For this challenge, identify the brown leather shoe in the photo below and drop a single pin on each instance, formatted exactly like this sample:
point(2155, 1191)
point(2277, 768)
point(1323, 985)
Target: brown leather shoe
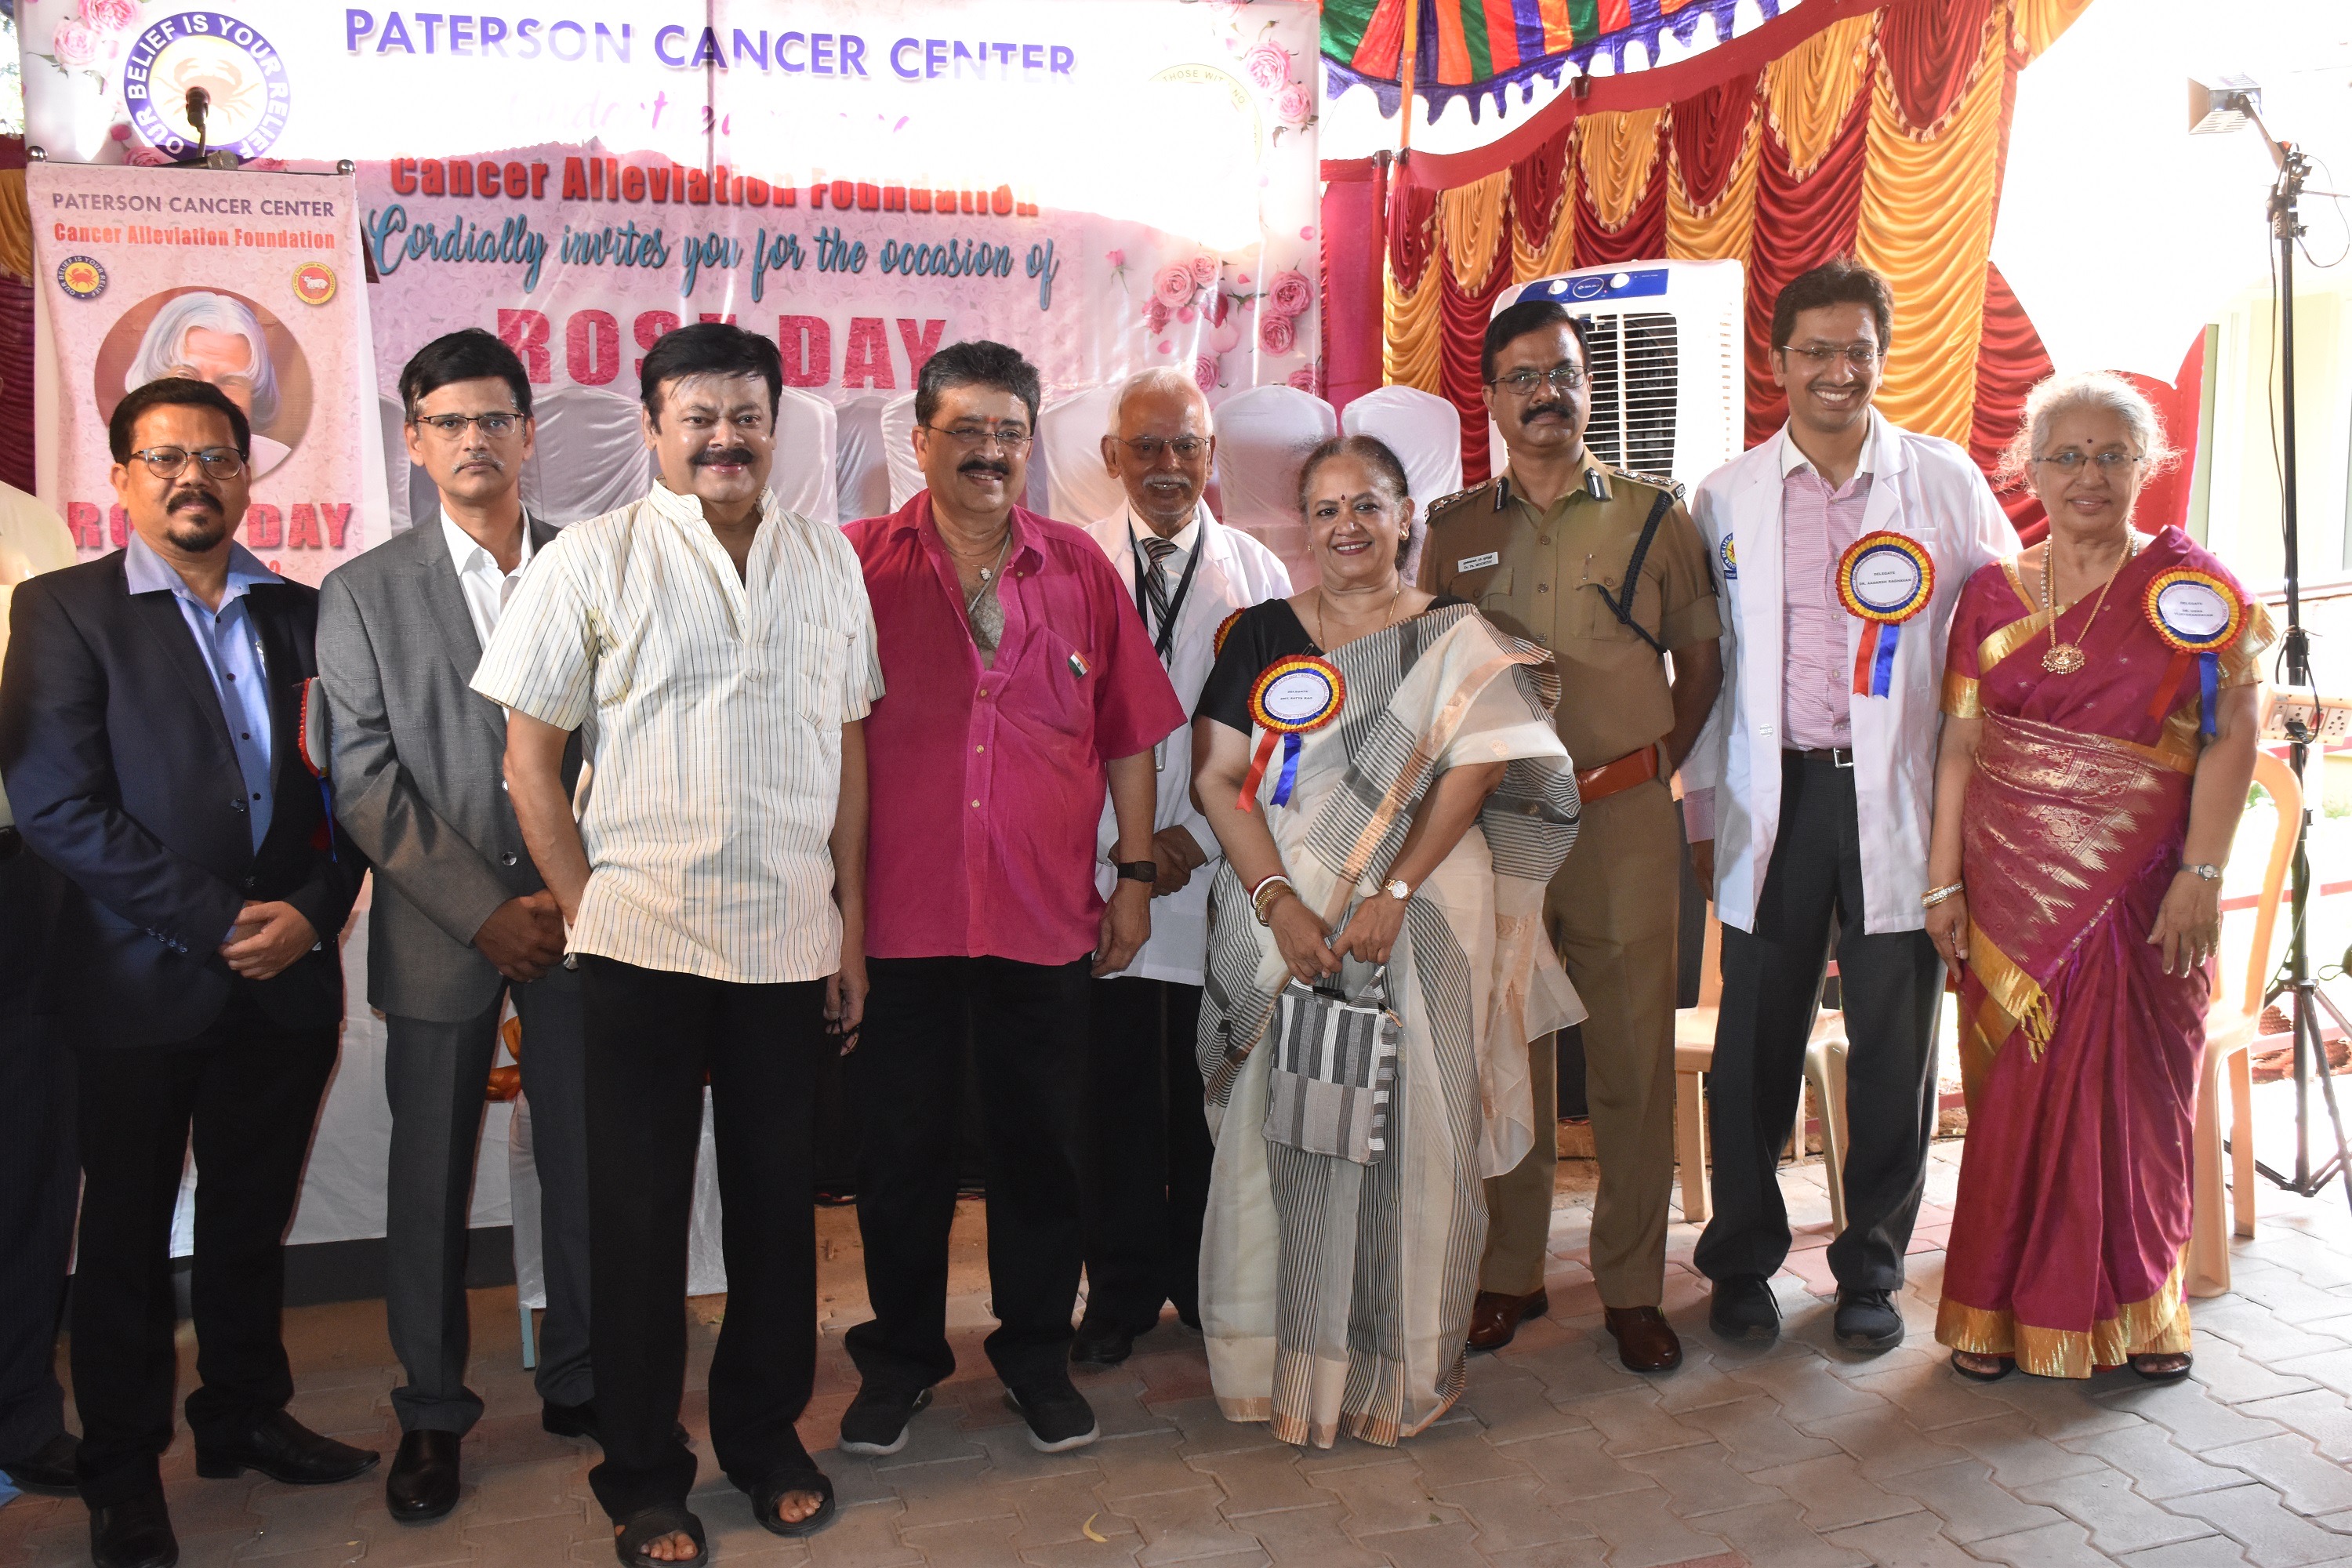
point(1495, 1317)
point(1645, 1341)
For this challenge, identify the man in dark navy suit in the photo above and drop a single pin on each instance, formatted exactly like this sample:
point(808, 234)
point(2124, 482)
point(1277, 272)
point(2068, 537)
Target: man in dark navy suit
point(149, 738)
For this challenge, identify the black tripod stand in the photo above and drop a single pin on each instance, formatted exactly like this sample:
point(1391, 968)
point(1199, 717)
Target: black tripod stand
point(2226, 109)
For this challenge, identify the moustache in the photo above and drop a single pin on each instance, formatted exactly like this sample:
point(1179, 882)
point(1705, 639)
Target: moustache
point(1541, 409)
point(203, 500)
point(741, 456)
point(986, 466)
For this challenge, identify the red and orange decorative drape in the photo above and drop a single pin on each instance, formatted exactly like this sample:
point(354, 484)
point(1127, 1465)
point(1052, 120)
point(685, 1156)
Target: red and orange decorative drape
point(1880, 132)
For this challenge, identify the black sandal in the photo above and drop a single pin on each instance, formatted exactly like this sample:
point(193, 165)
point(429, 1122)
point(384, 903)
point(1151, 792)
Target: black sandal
point(1973, 1376)
point(2168, 1374)
point(768, 1499)
point(647, 1525)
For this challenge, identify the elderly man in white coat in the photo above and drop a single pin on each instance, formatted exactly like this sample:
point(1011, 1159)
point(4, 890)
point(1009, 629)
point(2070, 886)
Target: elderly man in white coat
point(1147, 1170)
point(1842, 544)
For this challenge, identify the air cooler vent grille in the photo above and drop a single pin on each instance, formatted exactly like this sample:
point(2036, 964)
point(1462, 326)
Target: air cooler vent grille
point(1634, 369)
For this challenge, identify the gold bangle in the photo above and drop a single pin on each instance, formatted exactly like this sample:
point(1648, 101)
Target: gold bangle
point(1935, 896)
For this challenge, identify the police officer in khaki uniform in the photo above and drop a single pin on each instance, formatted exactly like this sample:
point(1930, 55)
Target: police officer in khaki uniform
point(1606, 570)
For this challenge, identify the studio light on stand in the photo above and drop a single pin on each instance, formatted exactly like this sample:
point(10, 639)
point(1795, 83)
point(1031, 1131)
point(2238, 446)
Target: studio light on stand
point(2231, 104)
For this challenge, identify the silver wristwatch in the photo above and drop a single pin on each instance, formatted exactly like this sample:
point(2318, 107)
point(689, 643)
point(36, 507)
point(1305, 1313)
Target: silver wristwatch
point(2203, 873)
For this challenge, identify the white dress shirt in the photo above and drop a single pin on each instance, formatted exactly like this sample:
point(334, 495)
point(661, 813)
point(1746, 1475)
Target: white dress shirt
point(718, 702)
point(485, 588)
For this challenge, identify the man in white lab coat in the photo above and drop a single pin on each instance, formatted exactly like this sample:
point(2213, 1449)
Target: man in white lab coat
point(1148, 1167)
point(1809, 793)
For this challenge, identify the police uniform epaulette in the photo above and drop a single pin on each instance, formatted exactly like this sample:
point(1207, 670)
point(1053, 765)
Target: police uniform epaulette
point(1655, 482)
point(1447, 503)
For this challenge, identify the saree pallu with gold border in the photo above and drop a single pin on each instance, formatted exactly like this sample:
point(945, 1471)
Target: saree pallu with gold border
point(1335, 1297)
point(2080, 1055)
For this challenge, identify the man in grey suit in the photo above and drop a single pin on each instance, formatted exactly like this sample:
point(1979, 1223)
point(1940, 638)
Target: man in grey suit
point(461, 918)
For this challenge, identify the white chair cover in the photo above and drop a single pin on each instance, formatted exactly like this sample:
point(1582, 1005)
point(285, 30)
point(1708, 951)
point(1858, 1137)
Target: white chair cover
point(1069, 443)
point(1262, 436)
point(899, 450)
point(591, 456)
point(1425, 433)
point(861, 472)
point(805, 478)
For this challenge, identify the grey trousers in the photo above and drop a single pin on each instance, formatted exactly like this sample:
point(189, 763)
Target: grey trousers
point(434, 1075)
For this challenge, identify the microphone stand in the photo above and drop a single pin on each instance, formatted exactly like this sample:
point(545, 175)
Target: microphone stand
point(2304, 997)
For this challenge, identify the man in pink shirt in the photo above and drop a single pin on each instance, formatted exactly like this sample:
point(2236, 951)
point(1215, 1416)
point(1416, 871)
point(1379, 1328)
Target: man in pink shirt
point(1021, 681)
point(1807, 796)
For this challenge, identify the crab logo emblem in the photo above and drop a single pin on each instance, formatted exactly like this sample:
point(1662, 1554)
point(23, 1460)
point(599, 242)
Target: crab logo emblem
point(240, 70)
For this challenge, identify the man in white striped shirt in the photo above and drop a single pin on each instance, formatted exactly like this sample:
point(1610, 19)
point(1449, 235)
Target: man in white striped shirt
point(714, 890)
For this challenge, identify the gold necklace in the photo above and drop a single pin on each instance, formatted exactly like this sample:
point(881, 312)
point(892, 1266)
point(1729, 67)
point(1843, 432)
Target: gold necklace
point(2066, 658)
point(1322, 643)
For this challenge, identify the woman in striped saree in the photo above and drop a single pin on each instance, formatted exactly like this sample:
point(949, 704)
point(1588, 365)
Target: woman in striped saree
point(2101, 696)
point(1383, 772)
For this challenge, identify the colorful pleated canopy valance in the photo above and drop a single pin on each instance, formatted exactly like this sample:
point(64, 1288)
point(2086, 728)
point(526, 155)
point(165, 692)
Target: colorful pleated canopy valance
point(1476, 49)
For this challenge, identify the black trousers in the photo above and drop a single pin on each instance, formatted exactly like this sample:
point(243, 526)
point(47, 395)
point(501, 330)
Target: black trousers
point(1024, 1025)
point(249, 1087)
point(39, 1181)
point(1147, 1154)
point(651, 1035)
point(1891, 985)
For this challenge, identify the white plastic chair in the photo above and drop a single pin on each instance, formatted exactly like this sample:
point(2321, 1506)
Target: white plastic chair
point(1425, 433)
point(861, 472)
point(1078, 489)
point(1263, 435)
point(2232, 1024)
point(591, 458)
point(803, 477)
point(899, 450)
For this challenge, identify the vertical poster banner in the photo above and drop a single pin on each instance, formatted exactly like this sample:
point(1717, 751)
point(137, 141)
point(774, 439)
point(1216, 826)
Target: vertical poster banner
point(250, 281)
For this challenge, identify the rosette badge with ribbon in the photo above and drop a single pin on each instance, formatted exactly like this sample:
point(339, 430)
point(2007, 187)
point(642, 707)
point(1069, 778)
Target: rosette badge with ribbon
point(1293, 696)
point(1884, 579)
point(2198, 615)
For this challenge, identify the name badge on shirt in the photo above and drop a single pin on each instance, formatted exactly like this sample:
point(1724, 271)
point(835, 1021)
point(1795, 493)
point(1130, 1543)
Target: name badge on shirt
point(1472, 562)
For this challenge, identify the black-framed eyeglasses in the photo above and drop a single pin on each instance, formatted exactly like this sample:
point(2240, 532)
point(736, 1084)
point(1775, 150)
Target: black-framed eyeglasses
point(1523, 382)
point(1862, 356)
point(1149, 447)
point(971, 437)
point(453, 427)
point(170, 462)
point(2072, 463)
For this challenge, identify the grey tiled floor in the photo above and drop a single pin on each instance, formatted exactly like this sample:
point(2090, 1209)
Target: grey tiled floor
point(1791, 1456)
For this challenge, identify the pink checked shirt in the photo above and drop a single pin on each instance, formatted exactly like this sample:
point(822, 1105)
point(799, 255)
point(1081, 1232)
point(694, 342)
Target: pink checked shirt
point(1817, 525)
point(987, 784)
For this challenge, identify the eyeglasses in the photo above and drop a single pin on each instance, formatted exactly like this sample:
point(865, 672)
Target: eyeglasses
point(1149, 447)
point(2072, 463)
point(217, 462)
point(1523, 382)
point(1862, 356)
point(453, 427)
point(1012, 437)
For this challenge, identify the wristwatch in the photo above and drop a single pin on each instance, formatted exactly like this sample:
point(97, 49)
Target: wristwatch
point(1138, 870)
point(2203, 873)
point(1397, 888)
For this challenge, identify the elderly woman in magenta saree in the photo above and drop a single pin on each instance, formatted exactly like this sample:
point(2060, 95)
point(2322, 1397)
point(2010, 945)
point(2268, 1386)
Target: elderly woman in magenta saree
point(2097, 747)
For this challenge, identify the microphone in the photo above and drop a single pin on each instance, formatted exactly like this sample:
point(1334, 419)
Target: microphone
point(198, 102)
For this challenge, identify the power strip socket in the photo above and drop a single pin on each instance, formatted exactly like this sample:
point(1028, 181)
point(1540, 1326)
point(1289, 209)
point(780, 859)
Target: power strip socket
point(2327, 722)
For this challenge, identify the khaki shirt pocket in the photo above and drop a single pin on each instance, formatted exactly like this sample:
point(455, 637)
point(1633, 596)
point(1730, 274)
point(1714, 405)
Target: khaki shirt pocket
point(1595, 621)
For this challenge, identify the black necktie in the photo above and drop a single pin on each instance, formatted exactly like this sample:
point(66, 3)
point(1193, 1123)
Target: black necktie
point(1155, 581)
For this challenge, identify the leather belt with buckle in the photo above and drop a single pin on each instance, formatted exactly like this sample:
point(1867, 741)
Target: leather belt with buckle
point(1836, 756)
point(1610, 778)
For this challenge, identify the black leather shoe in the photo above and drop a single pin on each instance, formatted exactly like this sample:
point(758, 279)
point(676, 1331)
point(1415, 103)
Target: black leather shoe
point(1867, 1322)
point(1101, 1345)
point(48, 1469)
point(1743, 1308)
point(424, 1480)
point(569, 1420)
point(133, 1534)
point(285, 1451)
